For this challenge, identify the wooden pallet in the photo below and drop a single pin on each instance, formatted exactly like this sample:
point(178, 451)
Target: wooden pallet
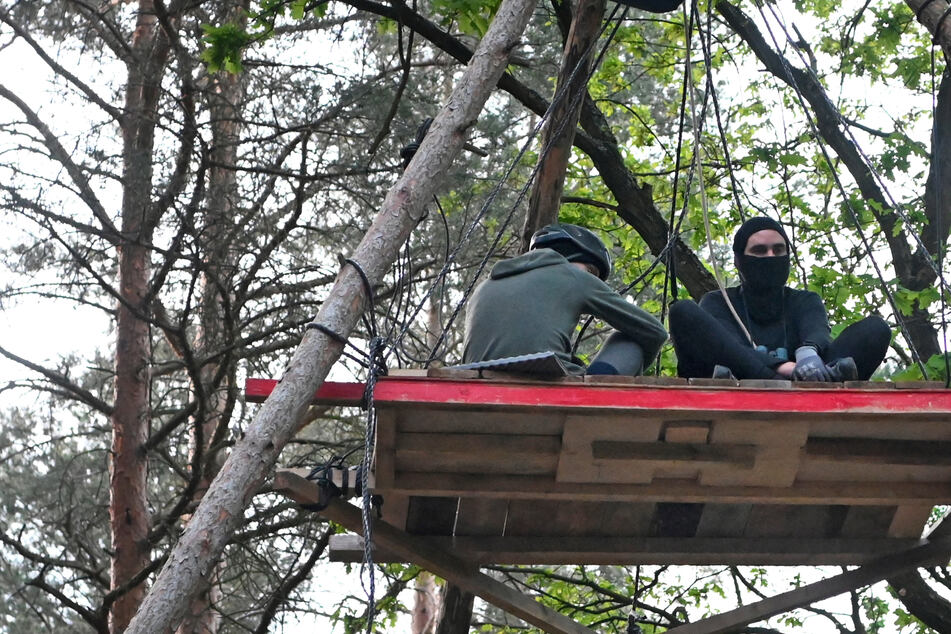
point(505, 470)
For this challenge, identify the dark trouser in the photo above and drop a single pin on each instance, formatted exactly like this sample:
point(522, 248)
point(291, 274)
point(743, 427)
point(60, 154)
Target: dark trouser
point(618, 355)
point(702, 342)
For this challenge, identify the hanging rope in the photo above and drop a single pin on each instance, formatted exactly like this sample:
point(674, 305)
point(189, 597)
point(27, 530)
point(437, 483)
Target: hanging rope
point(697, 166)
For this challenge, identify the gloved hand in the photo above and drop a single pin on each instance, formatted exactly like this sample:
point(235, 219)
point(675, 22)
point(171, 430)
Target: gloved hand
point(810, 366)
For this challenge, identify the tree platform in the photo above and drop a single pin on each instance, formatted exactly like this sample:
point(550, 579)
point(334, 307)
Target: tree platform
point(612, 470)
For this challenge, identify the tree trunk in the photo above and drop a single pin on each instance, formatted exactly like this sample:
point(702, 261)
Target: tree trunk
point(455, 610)
point(216, 378)
point(128, 509)
point(921, 600)
point(425, 604)
point(560, 130)
point(221, 511)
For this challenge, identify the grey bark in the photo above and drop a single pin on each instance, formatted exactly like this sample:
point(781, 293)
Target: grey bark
point(222, 508)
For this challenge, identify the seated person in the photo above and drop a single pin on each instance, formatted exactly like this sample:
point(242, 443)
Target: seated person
point(790, 327)
point(531, 303)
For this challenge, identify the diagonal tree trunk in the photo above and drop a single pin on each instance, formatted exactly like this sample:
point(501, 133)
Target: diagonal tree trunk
point(222, 508)
point(215, 387)
point(128, 510)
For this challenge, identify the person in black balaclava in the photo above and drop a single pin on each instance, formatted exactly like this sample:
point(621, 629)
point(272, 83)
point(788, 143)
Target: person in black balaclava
point(789, 327)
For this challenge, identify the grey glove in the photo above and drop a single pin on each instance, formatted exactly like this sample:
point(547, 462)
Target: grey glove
point(809, 366)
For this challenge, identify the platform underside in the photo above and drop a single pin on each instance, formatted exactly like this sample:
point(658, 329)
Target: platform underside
point(508, 471)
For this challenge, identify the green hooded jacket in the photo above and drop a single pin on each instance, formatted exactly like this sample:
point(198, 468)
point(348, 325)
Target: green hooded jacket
point(532, 303)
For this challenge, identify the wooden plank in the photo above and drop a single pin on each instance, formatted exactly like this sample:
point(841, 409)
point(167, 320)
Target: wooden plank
point(724, 520)
point(577, 462)
point(628, 551)
point(431, 515)
point(868, 521)
point(933, 403)
point(920, 426)
point(868, 574)
point(687, 431)
point(796, 521)
point(822, 470)
point(554, 518)
point(544, 487)
point(676, 519)
point(385, 449)
point(878, 451)
point(739, 456)
point(481, 516)
point(497, 463)
point(627, 519)
point(408, 372)
point(330, 392)
point(479, 420)
point(485, 444)
point(909, 520)
point(774, 466)
point(395, 510)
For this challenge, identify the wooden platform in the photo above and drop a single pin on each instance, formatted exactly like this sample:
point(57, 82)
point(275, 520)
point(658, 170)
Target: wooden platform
point(640, 471)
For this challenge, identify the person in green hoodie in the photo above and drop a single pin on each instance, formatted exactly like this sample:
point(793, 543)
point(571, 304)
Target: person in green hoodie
point(532, 303)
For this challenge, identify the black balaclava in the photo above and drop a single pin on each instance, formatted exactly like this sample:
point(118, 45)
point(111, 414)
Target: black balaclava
point(763, 279)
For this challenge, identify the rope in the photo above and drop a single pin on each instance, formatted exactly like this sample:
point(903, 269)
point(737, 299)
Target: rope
point(698, 168)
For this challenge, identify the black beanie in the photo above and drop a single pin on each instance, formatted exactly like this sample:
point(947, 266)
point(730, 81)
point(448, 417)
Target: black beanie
point(753, 225)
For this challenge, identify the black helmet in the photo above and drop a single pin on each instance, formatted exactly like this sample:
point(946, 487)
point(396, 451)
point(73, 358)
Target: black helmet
point(576, 243)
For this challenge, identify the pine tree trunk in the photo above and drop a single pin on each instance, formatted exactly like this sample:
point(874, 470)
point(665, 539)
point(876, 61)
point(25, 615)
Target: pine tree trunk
point(226, 96)
point(128, 509)
point(560, 130)
point(221, 511)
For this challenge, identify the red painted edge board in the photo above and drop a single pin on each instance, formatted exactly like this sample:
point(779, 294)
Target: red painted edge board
point(330, 393)
point(395, 390)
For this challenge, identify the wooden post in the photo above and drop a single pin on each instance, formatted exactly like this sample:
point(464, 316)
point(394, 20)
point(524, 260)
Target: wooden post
point(221, 510)
point(560, 129)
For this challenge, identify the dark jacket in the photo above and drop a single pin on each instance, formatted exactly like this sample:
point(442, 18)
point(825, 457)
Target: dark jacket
point(804, 321)
point(532, 303)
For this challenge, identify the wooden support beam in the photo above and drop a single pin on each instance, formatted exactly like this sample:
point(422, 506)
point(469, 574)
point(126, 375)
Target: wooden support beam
point(928, 554)
point(631, 551)
point(436, 560)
